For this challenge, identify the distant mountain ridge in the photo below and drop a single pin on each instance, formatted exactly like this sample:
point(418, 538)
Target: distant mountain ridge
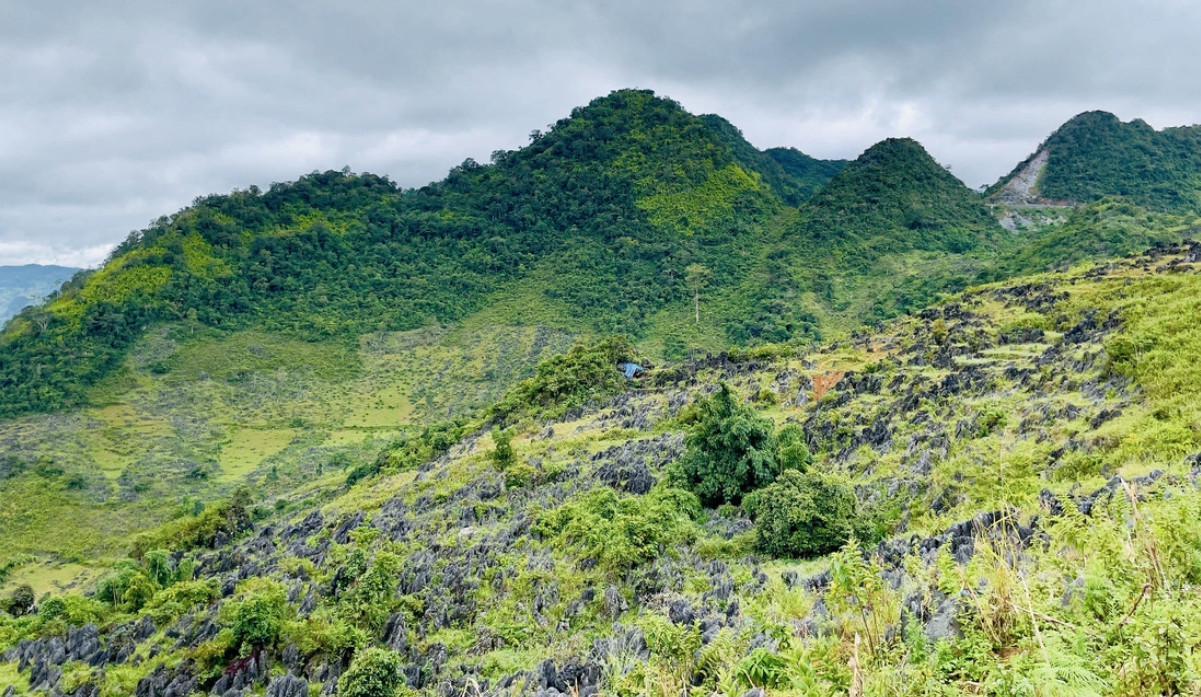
point(631, 216)
point(1095, 155)
point(21, 286)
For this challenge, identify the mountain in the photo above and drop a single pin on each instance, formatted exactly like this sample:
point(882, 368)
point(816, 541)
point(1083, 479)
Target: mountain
point(593, 226)
point(889, 233)
point(21, 286)
point(792, 174)
point(593, 223)
point(998, 491)
point(896, 198)
point(810, 172)
point(343, 437)
point(1095, 155)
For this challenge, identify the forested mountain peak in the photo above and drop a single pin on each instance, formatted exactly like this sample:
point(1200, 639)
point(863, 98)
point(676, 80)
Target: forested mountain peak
point(896, 197)
point(1095, 154)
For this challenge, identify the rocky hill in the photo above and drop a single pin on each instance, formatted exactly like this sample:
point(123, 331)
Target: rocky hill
point(1025, 455)
point(1095, 155)
point(338, 437)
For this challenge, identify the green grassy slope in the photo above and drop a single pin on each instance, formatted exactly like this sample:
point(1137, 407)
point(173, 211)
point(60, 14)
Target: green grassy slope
point(192, 415)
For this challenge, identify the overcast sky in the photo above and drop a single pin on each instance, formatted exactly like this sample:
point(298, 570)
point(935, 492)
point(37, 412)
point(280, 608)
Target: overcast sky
point(114, 113)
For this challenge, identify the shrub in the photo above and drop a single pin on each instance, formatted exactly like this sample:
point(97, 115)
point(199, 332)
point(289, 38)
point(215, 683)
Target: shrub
point(183, 597)
point(258, 619)
point(583, 374)
point(139, 590)
point(368, 603)
point(20, 600)
point(620, 531)
point(794, 452)
point(730, 452)
point(374, 673)
point(229, 518)
point(502, 455)
point(802, 515)
point(52, 608)
point(409, 451)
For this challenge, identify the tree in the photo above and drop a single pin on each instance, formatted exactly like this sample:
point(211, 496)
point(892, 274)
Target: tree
point(794, 452)
point(502, 455)
point(731, 451)
point(374, 673)
point(697, 278)
point(802, 515)
point(237, 515)
point(160, 567)
point(21, 600)
point(138, 591)
point(259, 618)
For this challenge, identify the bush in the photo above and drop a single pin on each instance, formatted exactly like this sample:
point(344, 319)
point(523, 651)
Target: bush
point(258, 619)
point(583, 374)
point(20, 600)
point(374, 673)
point(183, 597)
point(621, 531)
point(502, 455)
point(410, 451)
point(52, 608)
point(229, 518)
point(794, 452)
point(368, 603)
point(802, 515)
point(731, 451)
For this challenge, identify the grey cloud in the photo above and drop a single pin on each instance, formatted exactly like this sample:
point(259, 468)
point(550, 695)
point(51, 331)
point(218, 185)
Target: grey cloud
point(114, 113)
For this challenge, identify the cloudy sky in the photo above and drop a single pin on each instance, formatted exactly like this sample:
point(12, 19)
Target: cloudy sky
point(114, 113)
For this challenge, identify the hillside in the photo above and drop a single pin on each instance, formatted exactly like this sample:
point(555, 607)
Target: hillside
point(1018, 464)
point(255, 337)
point(21, 286)
point(1095, 155)
point(631, 216)
point(888, 234)
point(280, 427)
point(592, 226)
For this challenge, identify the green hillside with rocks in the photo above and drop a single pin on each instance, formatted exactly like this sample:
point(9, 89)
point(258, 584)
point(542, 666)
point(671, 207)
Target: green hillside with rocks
point(881, 437)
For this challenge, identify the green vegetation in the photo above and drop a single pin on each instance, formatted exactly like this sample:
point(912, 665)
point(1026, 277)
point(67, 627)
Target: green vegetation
point(618, 531)
point(360, 438)
point(1095, 155)
point(1106, 228)
point(802, 515)
point(895, 198)
point(258, 618)
point(374, 673)
point(731, 452)
point(927, 424)
point(587, 372)
point(502, 450)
